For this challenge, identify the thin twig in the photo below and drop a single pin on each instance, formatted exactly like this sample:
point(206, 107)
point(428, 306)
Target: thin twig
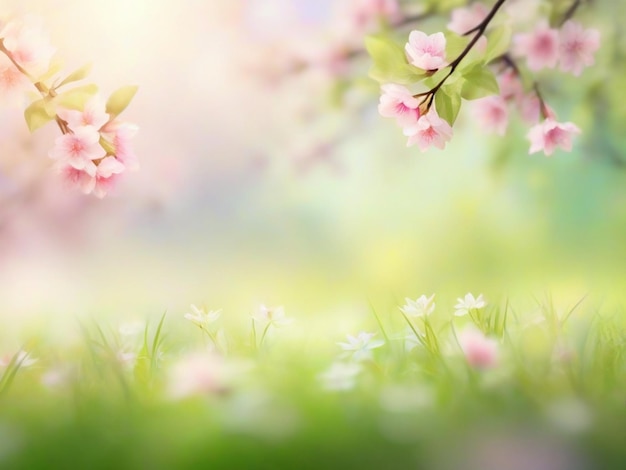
point(569, 13)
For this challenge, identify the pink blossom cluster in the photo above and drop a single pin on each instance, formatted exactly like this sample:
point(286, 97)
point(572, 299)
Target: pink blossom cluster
point(480, 351)
point(95, 146)
point(572, 47)
point(423, 128)
point(25, 47)
point(414, 113)
point(366, 13)
point(351, 21)
point(546, 134)
point(465, 19)
point(80, 154)
point(28, 45)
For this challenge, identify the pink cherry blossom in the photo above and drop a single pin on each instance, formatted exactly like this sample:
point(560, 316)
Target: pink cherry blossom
point(100, 183)
point(492, 114)
point(28, 45)
point(480, 352)
point(197, 374)
point(430, 130)
point(549, 134)
point(78, 179)
point(511, 87)
point(529, 107)
point(107, 175)
point(426, 52)
point(467, 18)
point(367, 12)
point(203, 373)
point(13, 83)
point(93, 114)
point(398, 102)
point(119, 134)
point(540, 47)
point(355, 18)
point(577, 47)
point(79, 149)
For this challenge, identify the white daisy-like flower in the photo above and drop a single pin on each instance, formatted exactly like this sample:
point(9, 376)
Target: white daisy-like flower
point(201, 317)
point(467, 303)
point(271, 315)
point(360, 347)
point(421, 307)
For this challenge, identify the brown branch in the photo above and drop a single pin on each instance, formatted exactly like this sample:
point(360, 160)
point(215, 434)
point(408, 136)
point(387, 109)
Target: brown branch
point(478, 30)
point(570, 12)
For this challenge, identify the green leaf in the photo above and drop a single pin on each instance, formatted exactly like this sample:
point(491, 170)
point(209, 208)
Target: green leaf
point(37, 115)
point(77, 75)
point(455, 44)
point(120, 99)
point(436, 77)
point(141, 370)
point(390, 64)
point(76, 97)
point(479, 82)
point(55, 67)
point(448, 102)
point(108, 147)
point(498, 42)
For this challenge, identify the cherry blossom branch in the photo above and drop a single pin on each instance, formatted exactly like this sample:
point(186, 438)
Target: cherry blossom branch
point(479, 30)
point(354, 53)
point(510, 63)
point(94, 149)
point(545, 112)
point(43, 90)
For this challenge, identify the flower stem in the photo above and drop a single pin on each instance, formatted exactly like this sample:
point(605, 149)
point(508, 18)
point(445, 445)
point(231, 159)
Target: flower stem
point(212, 337)
point(479, 30)
point(264, 334)
point(545, 113)
point(417, 335)
point(429, 96)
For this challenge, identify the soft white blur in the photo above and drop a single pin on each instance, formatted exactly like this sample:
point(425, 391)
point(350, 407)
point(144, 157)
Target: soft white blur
point(253, 190)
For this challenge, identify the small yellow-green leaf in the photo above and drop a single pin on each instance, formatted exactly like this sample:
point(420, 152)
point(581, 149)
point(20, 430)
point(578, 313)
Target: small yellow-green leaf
point(50, 107)
point(389, 62)
point(76, 97)
point(448, 102)
point(455, 44)
point(108, 147)
point(77, 75)
point(36, 115)
point(55, 67)
point(120, 99)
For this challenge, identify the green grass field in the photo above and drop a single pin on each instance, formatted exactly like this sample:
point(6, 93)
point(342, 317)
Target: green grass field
point(173, 395)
